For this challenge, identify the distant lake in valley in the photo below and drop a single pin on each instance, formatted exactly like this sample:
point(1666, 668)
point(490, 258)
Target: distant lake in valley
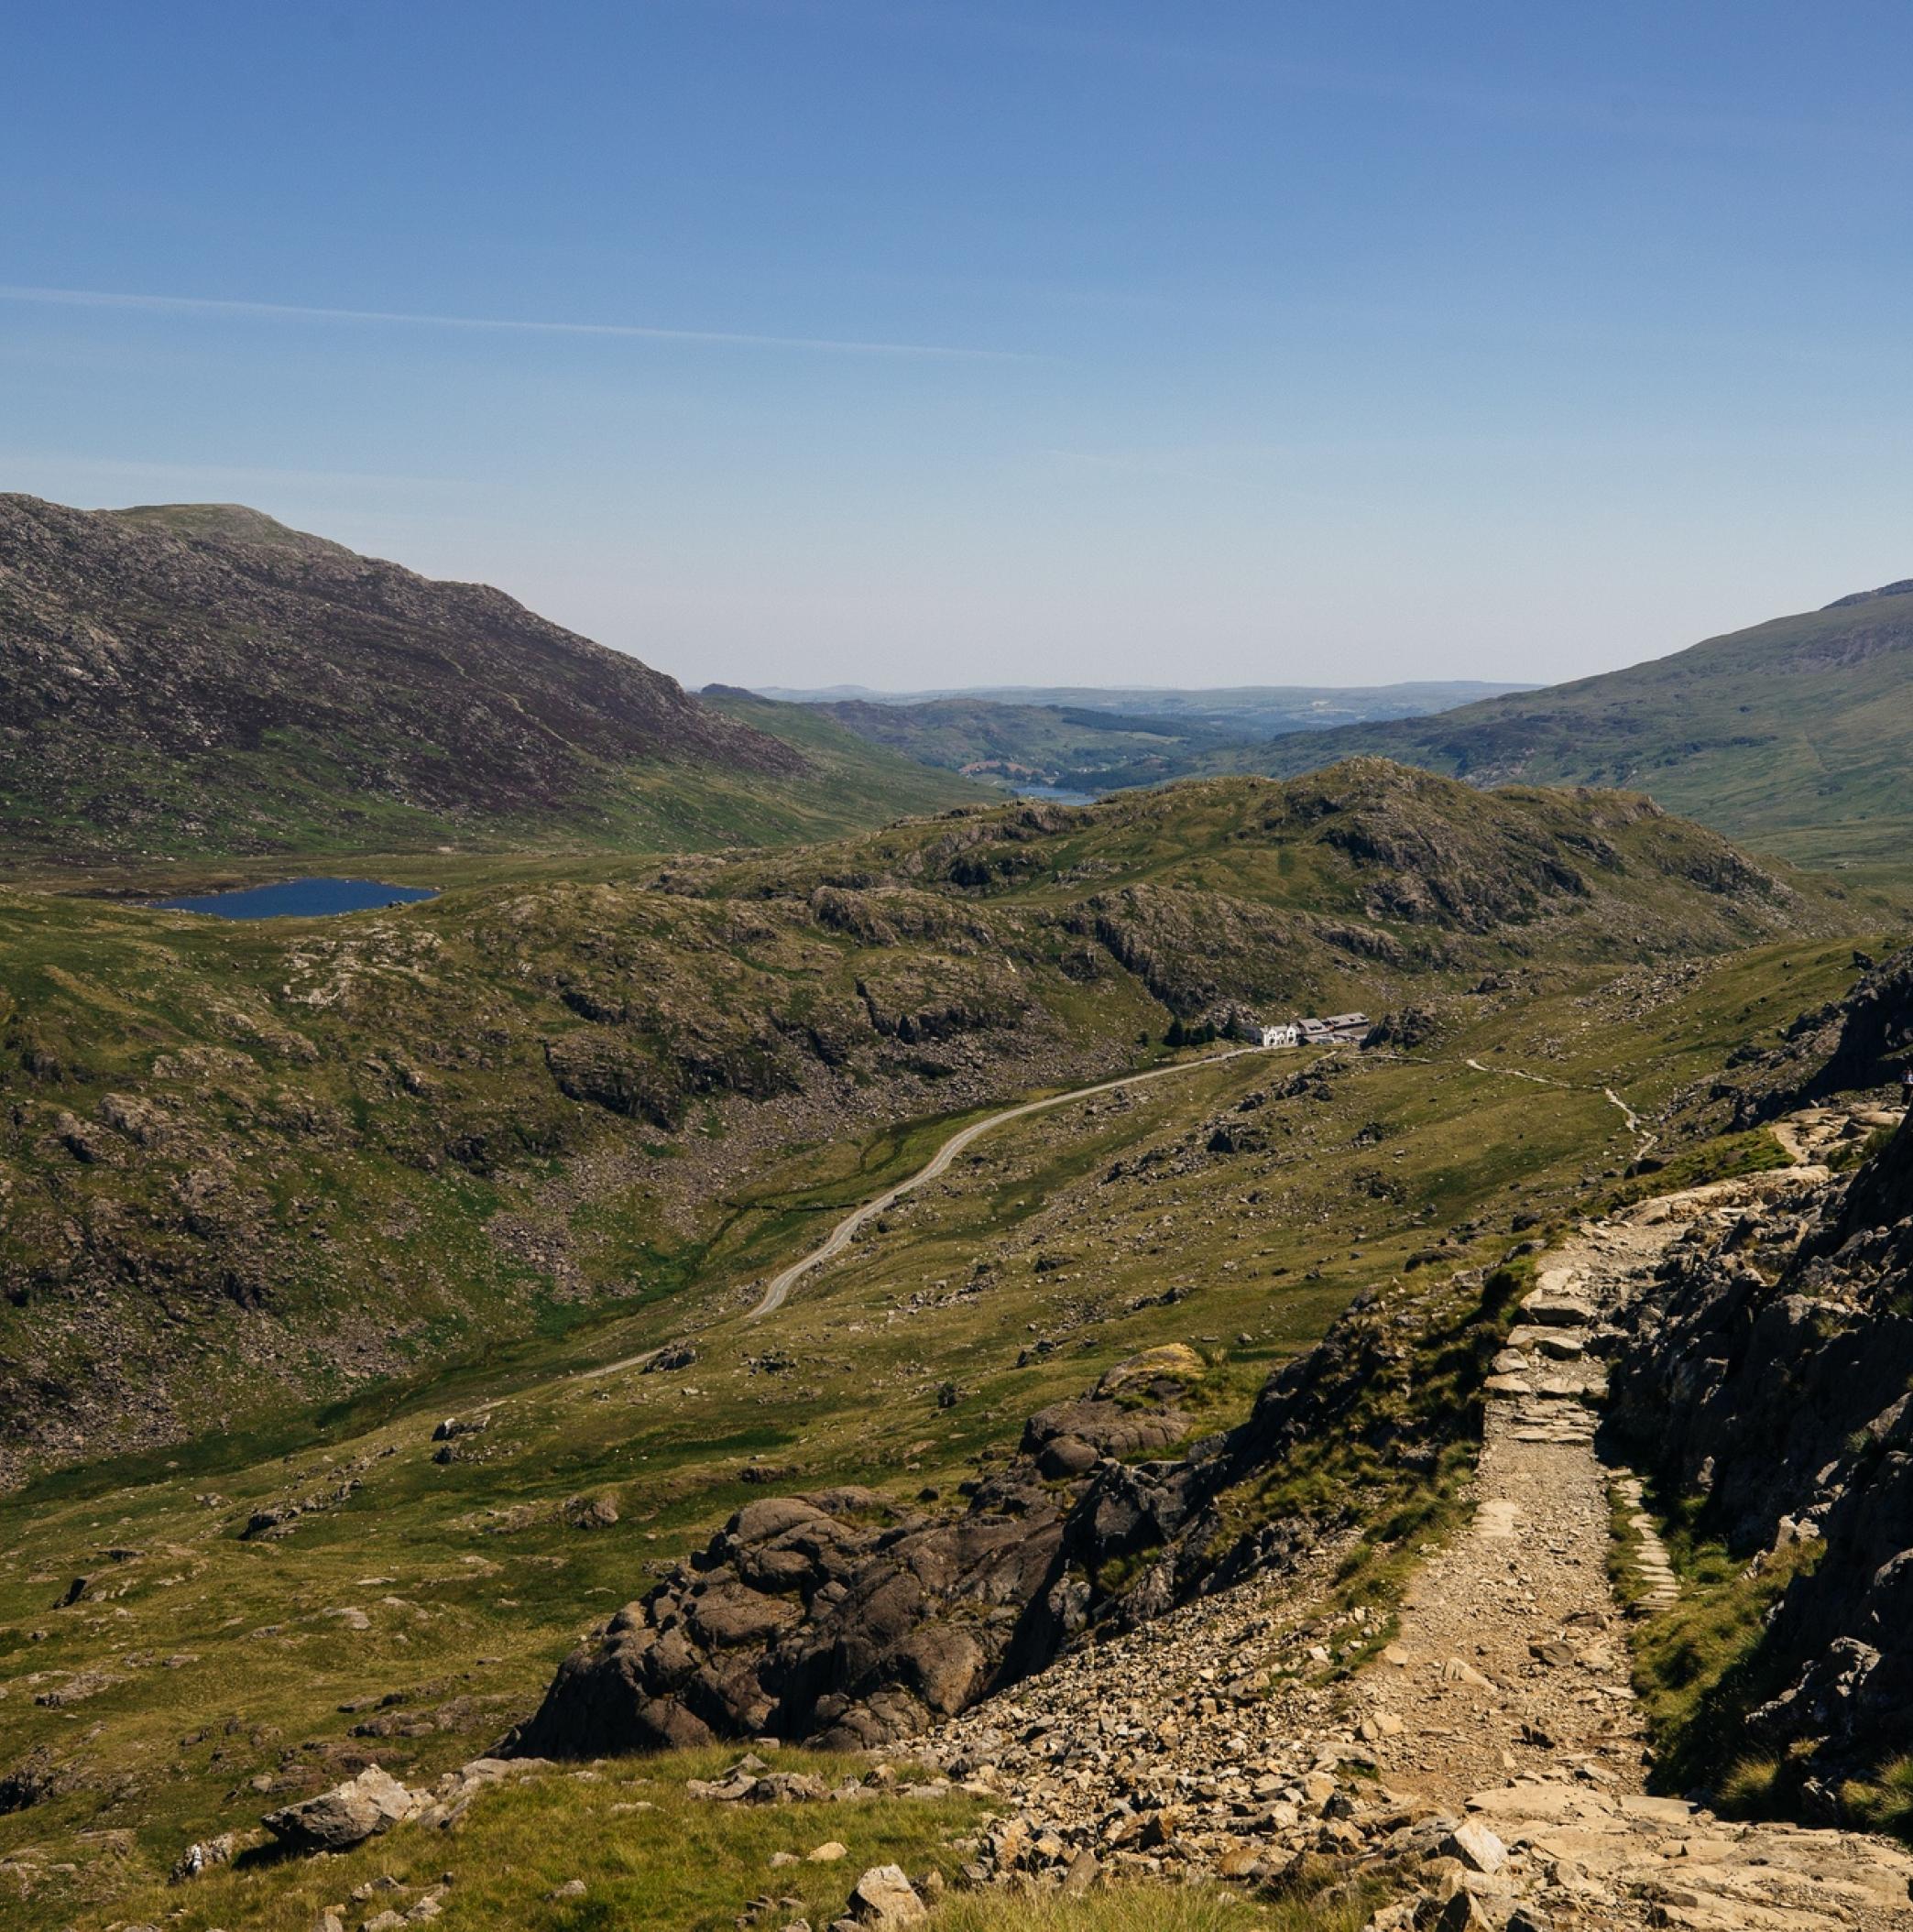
point(299, 898)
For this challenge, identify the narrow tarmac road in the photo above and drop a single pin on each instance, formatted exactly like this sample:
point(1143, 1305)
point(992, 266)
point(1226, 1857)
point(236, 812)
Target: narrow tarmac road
point(845, 1232)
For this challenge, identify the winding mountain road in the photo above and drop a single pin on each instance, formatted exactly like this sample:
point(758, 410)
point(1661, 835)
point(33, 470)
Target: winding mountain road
point(845, 1232)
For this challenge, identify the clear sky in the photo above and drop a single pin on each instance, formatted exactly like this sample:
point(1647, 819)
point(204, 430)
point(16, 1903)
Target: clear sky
point(984, 340)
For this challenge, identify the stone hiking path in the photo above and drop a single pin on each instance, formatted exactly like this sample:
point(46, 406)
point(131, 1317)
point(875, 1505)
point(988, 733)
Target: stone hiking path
point(1497, 1756)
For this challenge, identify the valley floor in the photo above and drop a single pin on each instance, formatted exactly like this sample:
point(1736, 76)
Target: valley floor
point(419, 1600)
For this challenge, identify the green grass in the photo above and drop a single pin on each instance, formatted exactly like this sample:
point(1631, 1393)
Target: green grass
point(1885, 1801)
point(1727, 1157)
point(489, 1584)
point(337, 1170)
point(1151, 1907)
point(1265, 1245)
point(678, 1863)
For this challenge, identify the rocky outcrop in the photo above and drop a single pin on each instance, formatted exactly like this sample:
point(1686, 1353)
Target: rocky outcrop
point(1863, 1041)
point(841, 1619)
point(826, 1616)
point(1768, 1376)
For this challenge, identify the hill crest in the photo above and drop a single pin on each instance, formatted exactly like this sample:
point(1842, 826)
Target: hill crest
point(200, 677)
point(1792, 736)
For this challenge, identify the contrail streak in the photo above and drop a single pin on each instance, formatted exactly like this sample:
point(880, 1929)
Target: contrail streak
point(296, 311)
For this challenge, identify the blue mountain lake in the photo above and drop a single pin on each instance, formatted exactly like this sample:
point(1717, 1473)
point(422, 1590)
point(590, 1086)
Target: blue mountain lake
point(299, 898)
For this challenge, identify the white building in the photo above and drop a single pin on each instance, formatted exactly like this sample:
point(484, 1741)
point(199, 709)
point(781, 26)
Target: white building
point(1286, 1034)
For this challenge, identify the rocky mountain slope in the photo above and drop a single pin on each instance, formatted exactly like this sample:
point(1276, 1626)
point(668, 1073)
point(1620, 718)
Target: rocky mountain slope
point(1792, 736)
point(199, 678)
point(1766, 1381)
point(223, 1144)
point(233, 1625)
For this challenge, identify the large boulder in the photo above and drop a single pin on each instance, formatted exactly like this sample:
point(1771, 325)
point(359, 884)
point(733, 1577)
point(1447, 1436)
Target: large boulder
point(844, 1619)
point(348, 1813)
point(883, 1900)
point(832, 1617)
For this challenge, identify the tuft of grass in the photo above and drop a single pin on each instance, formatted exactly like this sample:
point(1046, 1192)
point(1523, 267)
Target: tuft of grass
point(1857, 1153)
point(1151, 1907)
point(1885, 1801)
point(1750, 1788)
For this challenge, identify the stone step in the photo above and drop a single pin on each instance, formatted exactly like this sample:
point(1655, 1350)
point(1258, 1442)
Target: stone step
point(1548, 1309)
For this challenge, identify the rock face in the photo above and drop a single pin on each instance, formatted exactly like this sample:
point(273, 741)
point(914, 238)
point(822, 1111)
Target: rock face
point(348, 1814)
point(1769, 1375)
point(1848, 1044)
point(833, 1619)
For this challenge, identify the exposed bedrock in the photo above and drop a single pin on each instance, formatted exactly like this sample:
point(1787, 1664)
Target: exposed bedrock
point(1769, 1376)
point(839, 1618)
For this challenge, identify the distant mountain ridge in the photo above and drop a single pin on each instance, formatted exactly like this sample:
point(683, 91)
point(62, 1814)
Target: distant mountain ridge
point(201, 678)
point(1796, 735)
point(1082, 740)
point(1241, 711)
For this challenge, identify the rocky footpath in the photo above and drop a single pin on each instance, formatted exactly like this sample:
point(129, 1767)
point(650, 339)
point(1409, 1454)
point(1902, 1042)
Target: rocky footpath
point(1485, 1768)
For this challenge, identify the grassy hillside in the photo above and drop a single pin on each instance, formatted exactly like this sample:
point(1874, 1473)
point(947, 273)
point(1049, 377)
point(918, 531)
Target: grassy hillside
point(1794, 737)
point(204, 1676)
point(199, 680)
point(300, 1157)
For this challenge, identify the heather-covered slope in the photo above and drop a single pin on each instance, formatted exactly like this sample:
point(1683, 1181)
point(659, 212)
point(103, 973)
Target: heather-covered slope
point(1795, 735)
point(200, 679)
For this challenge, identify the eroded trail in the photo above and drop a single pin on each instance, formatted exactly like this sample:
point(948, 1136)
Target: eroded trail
point(1491, 1760)
point(1505, 1694)
point(1511, 1658)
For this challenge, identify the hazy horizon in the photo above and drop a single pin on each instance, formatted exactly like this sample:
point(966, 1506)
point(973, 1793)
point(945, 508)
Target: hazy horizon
point(823, 342)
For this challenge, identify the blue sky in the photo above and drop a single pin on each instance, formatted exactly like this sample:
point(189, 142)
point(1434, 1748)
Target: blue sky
point(807, 341)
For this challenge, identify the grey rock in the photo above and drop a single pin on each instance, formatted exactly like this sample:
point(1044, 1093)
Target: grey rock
point(348, 1813)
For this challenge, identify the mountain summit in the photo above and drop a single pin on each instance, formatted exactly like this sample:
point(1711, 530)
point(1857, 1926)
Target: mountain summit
point(200, 676)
